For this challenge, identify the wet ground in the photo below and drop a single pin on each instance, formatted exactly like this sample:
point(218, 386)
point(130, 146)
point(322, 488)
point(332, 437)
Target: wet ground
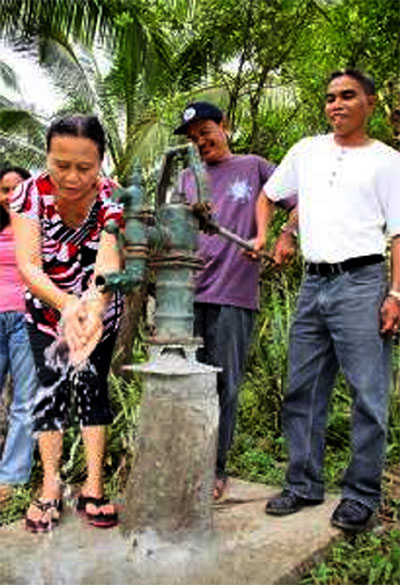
point(247, 547)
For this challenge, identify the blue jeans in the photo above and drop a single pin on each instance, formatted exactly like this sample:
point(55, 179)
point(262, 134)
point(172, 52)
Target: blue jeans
point(16, 358)
point(337, 325)
point(226, 332)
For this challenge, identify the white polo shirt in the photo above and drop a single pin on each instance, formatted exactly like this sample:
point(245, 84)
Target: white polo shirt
point(349, 197)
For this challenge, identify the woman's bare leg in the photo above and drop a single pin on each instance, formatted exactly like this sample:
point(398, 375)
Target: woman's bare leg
point(50, 449)
point(94, 439)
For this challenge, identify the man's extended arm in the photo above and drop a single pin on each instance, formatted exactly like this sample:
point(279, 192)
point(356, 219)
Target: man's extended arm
point(285, 246)
point(390, 310)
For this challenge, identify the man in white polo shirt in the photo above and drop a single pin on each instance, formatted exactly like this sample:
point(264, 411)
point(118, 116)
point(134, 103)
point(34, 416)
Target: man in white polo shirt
point(348, 188)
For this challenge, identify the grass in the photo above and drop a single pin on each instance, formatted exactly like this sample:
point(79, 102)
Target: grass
point(368, 559)
point(15, 508)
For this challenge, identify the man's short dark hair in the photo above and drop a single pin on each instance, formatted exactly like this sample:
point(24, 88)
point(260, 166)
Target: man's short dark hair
point(366, 82)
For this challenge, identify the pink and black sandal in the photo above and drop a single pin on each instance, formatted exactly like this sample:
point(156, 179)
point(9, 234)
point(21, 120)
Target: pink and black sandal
point(53, 506)
point(100, 519)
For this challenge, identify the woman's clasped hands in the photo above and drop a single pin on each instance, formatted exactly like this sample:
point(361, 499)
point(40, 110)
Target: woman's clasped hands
point(82, 325)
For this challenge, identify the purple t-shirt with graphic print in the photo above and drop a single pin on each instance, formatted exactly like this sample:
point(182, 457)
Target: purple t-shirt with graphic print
point(228, 276)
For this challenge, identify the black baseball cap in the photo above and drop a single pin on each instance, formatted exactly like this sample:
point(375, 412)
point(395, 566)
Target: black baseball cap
point(198, 111)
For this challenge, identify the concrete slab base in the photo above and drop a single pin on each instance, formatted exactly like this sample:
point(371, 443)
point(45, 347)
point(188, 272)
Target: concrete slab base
point(247, 547)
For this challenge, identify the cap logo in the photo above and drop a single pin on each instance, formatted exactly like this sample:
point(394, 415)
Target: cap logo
point(188, 114)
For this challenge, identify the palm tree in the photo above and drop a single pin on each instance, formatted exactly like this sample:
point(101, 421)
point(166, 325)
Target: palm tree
point(22, 130)
point(123, 98)
point(68, 38)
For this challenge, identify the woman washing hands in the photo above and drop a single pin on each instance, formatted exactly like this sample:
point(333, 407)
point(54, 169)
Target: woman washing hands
point(58, 221)
point(83, 326)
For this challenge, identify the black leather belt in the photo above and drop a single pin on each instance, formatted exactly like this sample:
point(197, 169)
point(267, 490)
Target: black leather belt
point(325, 269)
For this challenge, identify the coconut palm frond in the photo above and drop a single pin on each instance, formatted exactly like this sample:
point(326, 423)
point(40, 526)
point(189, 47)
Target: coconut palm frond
point(70, 73)
point(74, 70)
point(111, 112)
point(21, 151)
point(84, 21)
point(140, 66)
point(5, 102)
point(151, 141)
point(142, 63)
point(22, 130)
point(145, 141)
point(8, 76)
point(20, 120)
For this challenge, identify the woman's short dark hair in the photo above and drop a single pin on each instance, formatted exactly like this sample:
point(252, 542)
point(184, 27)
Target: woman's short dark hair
point(366, 82)
point(11, 169)
point(80, 126)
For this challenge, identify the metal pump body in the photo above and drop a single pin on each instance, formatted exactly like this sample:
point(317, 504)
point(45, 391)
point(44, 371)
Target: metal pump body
point(169, 490)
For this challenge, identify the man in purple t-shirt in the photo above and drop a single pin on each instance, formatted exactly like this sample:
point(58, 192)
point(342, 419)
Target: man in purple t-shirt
point(227, 288)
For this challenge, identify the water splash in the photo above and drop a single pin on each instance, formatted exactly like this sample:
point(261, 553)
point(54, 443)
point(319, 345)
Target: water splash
point(55, 397)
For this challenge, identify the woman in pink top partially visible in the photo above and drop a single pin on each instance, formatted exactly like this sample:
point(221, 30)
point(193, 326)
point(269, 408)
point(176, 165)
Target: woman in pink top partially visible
point(15, 352)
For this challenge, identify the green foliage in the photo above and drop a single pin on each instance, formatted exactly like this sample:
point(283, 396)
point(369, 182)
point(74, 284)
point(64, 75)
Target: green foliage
point(16, 507)
point(368, 559)
point(255, 463)
point(8, 77)
point(243, 44)
point(393, 448)
point(266, 63)
point(259, 427)
point(84, 20)
point(21, 131)
point(125, 401)
point(348, 33)
point(278, 123)
point(18, 150)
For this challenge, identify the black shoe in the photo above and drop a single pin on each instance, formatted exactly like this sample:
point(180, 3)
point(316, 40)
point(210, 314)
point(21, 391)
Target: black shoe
point(352, 515)
point(289, 503)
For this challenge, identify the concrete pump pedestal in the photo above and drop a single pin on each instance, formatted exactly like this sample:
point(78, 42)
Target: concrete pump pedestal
point(169, 490)
point(248, 548)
